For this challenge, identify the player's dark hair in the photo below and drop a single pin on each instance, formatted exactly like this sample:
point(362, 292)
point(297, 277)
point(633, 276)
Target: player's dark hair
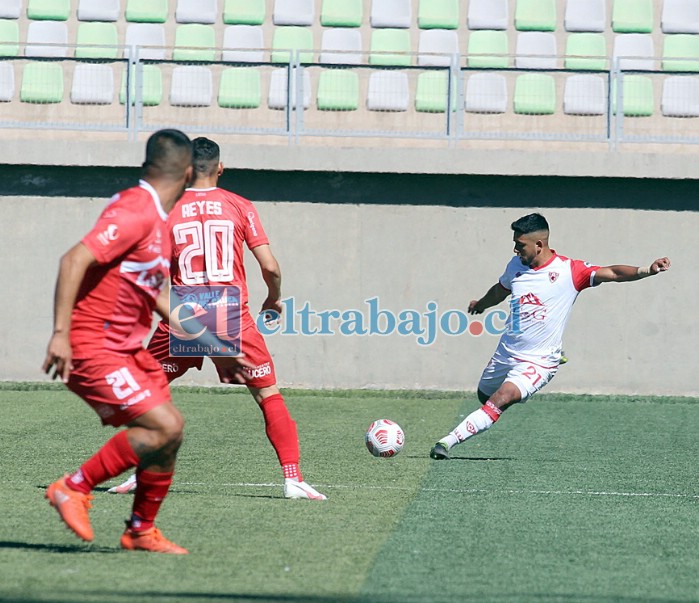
point(206, 155)
point(530, 223)
point(168, 153)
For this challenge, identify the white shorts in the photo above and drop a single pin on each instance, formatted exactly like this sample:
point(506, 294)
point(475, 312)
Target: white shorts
point(529, 377)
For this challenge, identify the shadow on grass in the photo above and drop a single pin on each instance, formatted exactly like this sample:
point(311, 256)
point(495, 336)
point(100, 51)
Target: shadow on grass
point(55, 548)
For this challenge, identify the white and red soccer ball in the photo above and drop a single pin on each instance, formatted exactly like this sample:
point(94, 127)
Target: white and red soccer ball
point(384, 438)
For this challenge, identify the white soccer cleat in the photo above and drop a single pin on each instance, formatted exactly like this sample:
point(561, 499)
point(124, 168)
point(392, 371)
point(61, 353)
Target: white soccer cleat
point(296, 489)
point(128, 486)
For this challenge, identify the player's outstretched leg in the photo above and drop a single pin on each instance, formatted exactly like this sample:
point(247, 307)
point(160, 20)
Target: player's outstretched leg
point(125, 487)
point(478, 421)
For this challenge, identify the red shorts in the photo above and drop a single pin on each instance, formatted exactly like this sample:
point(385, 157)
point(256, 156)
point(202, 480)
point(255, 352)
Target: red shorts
point(252, 345)
point(119, 387)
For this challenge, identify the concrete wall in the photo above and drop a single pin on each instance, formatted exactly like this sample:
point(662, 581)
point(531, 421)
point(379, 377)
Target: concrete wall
point(629, 338)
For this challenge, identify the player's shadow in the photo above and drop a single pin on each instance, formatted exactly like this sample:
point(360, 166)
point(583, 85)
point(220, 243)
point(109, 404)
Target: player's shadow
point(56, 548)
point(468, 458)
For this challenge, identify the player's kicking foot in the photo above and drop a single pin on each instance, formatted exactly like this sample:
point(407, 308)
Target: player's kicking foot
point(72, 506)
point(149, 540)
point(440, 451)
point(296, 489)
point(128, 486)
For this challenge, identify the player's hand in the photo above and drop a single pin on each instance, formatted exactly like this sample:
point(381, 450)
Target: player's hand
point(233, 369)
point(473, 307)
point(59, 354)
point(272, 310)
point(660, 265)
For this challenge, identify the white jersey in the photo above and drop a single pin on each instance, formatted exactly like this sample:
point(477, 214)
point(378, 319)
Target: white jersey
point(540, 305)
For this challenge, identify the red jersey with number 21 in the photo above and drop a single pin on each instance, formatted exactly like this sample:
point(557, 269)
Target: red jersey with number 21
point(114, 308)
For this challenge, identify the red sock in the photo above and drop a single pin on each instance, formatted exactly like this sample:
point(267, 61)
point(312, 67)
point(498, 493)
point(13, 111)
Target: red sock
point(492, 411)
point(150, 493)
point(115, 457)
point(281, 431)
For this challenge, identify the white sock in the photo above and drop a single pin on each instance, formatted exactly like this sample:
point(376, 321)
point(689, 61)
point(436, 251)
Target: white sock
point(479, 420)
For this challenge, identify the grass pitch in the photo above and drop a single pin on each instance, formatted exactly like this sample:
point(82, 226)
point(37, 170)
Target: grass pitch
point(568, 499)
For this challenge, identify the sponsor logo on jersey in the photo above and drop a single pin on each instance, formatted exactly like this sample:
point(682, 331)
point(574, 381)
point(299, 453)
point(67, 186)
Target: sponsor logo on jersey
point(251, 221)
point(530, 298)
point(259, 371)
point(109, 234)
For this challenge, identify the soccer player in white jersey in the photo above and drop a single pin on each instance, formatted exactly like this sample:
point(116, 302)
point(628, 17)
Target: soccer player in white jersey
point(543, 286)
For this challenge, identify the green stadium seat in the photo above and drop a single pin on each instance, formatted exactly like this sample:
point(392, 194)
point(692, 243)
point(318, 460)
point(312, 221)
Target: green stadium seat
point(535, 94)
point(681, 46)
point(42, 83)
point(432, 91)
point(638, 96)
point(292, 38)
point(152, 86)
point(632, 16)
point(487, 42)
point(535, 15)
point(93, 39)
point(586, 51)
point(385, 41)
point(438, 14)
point(341, 13)
point(338, 90)
point(147, 11)
point(9, 38)
point(240, 88)
point(244, 12)
point(194, 42)
point(52, 10)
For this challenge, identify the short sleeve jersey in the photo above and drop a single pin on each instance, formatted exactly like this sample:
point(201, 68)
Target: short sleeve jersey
point(541, 301)
point(114, 307)
point(208, 228)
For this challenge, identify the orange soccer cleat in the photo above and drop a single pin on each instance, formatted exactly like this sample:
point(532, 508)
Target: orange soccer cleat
point(72, 506)
point(150, 540)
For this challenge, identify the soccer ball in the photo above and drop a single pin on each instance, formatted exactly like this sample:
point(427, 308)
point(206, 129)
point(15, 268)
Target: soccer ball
point(384, 438)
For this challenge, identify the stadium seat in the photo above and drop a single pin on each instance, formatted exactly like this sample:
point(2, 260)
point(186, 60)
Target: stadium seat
point(437, 47)
point(488, 14)
point(96, 40)
point(288, 40)
point(486, 93)
point(680, 16)
point(585, 15)
point(196, 11)
point(535, 15)
point(7, 81)
point(391, 13)
point(99, 10)
point(42, 83)
point(48, 10)
point(243, 43)
point(535, 94)
point(585, 95)
point(432, 91)
point(293, 12)
point(388, 91)
point(194, 42)
point(637, 96)
point(9, 38)
point(191, 87)
point(147, 11)
point(92, 85)
point(535, 50)
point(244, 12)
point(338, 90)
point(680, 96)
point(385, 41)
point(277, 98)
point(639, 49)
point(46, 39)
point(632, 16)
point(10, 9)
point(438, 14)
point(586, 51)
point(149, 38)
point(240, 88)
point(341, 46)
point(342, 13)
point(488, 49)
point(681, 46)
point(151, 86)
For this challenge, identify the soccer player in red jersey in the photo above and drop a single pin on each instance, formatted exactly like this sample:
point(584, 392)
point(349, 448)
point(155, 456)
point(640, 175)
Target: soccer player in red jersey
point(208, 229)
point(107, 288)
point(543, 286)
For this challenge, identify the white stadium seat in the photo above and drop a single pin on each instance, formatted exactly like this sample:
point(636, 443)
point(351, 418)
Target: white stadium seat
point(293, 12)
point(535, 50)
point(7, 81)
point(10, 9)
point(191, 87)
point(487, 14)
point(486, 93)
point(146, 35)
point(680, 96)
point(391, 13)
point(585, 95)
point(680, 16)
point(243, 43)
point(585, 15)
point(99, 10)
point(47, 39)
point(92, 85)
point(639, 49)
point(196, 11)
point(278, 89)
point(341, 46)
point(388, 91)
point(437, 47)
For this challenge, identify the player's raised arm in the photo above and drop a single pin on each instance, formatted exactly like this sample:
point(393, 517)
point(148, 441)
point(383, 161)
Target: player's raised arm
point(621, 273)
point(493, 297)
point(73, 266)
point(272, 275)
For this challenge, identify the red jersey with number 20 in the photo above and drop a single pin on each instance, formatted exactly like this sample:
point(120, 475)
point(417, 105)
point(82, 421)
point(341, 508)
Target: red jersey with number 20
point(114, 308)
point(208, 228)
